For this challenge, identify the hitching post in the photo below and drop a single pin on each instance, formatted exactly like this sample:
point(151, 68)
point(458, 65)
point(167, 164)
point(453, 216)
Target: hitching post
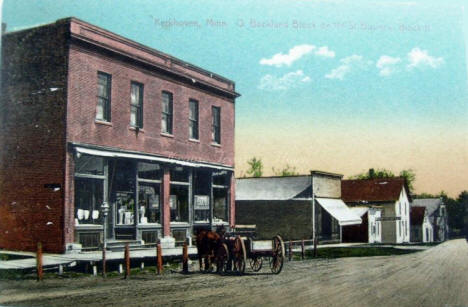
point(159, 263)
point(39, 261)
point(185, 258)
point(127, 261)
point(302, 250)
point(105, 211)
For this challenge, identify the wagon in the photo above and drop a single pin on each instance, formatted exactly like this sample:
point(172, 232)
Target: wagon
point(234, 252)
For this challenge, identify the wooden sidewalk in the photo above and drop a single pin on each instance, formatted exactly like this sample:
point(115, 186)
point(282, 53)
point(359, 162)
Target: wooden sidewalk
point(56, 260)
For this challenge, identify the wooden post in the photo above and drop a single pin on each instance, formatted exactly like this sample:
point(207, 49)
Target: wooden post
point(185, 258)
point(39, 262)
point(60, 269)
point(290, 251)
point(104, 263)
point(159, 258)
point(315, 247)
point(302, 249)
point(127, 261)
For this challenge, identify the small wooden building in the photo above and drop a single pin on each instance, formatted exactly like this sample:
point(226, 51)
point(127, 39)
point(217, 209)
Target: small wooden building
point(285, 206)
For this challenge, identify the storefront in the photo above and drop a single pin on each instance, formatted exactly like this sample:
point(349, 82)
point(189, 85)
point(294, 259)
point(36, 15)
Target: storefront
point(198, 196)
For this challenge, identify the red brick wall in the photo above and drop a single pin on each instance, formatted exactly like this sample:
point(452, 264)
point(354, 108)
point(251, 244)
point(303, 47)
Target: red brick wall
point(32, 139)
point(82, 100)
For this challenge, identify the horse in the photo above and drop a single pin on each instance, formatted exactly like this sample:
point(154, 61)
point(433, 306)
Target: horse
point(208, 243)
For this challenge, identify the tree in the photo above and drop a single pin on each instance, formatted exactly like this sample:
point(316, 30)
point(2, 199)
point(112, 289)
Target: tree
point(408, 174)
point(256, 167)
point(286, 171)
point(410, 177)
point(373, 174)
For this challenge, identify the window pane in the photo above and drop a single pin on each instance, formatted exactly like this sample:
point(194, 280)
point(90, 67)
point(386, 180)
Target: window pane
point(221, 178)
point(180, 174)
point(89, 165)
point(88, 200)
point(201, 206)
point(165, 106)
point(193, 110)
point(149, 171)
point(149, 203)
point(133, 116)
point(100, 109)
point(220, 205)
point(215, 125)
point(166, 118)
point(135, 95)
point(179, 203)
point(103, 105)
point(164, 123)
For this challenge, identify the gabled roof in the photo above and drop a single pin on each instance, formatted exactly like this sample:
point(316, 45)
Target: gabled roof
point(417, 215)
point(373, 190)
point(273, 188)
point(431, 204)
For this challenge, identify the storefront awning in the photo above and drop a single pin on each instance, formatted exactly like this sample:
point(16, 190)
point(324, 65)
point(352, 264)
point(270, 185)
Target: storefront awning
point(338, 209)
point(117, 154)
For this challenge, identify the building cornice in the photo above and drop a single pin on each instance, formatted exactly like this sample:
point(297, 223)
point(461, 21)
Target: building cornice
point(152, 59)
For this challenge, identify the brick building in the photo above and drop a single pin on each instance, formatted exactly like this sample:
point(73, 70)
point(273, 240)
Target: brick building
point(88, 117)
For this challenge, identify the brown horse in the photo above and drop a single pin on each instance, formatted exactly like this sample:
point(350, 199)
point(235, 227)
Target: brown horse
point(208, 243)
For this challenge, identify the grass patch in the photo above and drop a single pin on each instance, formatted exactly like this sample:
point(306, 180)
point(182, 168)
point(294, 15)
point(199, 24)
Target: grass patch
point(340, 252)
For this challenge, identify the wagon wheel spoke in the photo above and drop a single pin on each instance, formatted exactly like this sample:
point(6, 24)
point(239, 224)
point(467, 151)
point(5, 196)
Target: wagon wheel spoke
point(239, 255)
point(256, 263)
point(277, 259)
point(222, 258)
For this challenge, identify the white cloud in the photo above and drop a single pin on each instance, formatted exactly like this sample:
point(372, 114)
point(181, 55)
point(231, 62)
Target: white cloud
point(387, 65)
point(347, 65)
point(418, 58)
point(293, 55)
point(289, 80)
point(325, 52)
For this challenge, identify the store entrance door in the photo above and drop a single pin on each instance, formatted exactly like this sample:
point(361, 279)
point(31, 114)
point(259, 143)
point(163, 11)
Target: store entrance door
point(122, 187)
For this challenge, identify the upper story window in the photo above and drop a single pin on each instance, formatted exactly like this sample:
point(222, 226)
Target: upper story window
point(136, 105)
point(103, 108)
point(216, 124)
point(193, 119)
point(166, 117)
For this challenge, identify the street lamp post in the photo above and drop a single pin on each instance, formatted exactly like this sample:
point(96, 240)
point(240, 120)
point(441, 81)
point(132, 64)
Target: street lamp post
point(105, 211)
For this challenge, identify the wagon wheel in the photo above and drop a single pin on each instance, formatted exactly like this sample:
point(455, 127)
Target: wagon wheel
point(276, 261)
point(256, 263)
point(239, 255)
point(222, 258)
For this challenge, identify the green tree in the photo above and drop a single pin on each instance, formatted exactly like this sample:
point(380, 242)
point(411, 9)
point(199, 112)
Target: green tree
point(410, 177)
point(286, 171)
point(372, 174)
point(255, 167)
point(408, 174)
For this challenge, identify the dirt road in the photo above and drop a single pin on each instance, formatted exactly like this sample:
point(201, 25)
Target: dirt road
point(435, 277)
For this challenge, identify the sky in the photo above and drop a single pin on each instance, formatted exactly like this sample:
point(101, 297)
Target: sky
point(339, 86)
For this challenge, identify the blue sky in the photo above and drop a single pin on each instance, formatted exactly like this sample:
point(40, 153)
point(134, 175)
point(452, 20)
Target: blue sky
point(389, 74)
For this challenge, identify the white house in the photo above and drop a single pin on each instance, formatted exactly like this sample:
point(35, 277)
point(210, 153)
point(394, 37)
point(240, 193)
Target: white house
point(391, 197)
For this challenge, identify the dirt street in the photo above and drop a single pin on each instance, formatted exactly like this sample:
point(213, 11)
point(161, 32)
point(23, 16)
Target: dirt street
point(435, 277)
